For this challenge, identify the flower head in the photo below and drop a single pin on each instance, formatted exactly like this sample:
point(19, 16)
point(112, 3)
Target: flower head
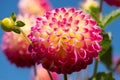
point(42, 74)
point(15, 46)
point(40, 6)
point(113, 3)
point(66, 40)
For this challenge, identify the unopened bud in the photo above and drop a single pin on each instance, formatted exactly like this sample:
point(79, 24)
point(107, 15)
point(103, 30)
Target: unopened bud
point(7, 24)
point(90, 4)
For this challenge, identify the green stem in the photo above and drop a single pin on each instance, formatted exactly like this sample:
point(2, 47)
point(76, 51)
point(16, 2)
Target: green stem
point(35, 64)
point(50, 75)
point(100, 9)
point(35, 72)
point(95, 67)
point(28, 40)
point(100, 17)
point(65, 76)
point(78, 76)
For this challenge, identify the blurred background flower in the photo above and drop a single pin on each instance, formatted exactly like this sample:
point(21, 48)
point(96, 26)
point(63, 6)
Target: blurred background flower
point(113, 3)
point(36, 7)
point(15, 46)
point(87, 4)
point(116, 64)
point(91, 6)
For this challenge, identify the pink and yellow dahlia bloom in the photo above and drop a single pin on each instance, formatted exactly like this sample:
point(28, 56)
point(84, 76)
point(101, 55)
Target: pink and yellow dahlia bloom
point(66, 40)
point(36, 7)
point(42, 74)
point(113, 3)
point(15, 46)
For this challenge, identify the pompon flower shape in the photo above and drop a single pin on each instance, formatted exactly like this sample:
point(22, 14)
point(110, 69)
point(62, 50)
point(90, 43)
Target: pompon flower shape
point(66, 40)
point(15, 46)
point(42, 74)
point(36, 7)
point(113, 3)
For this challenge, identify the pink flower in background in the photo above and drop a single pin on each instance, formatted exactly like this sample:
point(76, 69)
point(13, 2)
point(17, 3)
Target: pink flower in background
point(42, 74)
point(113, 2)
point(66, 40)
point(36, 7)
point(115, 60)
point(15, 46)
point(116, 63)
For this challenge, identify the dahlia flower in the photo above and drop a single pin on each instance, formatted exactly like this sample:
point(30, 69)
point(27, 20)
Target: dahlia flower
point(36, 7)
point(15, 46)
point(66, 40)
point(113, 3)
point(42, 74)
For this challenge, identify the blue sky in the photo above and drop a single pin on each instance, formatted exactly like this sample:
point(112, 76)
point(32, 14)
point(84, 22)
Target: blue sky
point(10, 72)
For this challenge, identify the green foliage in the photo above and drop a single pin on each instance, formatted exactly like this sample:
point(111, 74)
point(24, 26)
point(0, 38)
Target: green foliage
point(16, 30)
point(106, 42)
point(110, 17)
point(102, 76)
point(20, 24)
point(13, 16)
point(94, 16)
point(107, 58)
point(94, 10)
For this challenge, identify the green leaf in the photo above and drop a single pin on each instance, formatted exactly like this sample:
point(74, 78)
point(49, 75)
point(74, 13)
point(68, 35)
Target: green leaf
point(94, 10)
point(106, 42)
point(103, 76)
point(107, 58)
point(94, 16)
point(110, 17)
point(16, 30)
point(13, 16)
point(20, 24)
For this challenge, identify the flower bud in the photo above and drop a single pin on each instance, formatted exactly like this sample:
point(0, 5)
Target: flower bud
point(15, 53)
point(90, 4)
point(7, 24)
